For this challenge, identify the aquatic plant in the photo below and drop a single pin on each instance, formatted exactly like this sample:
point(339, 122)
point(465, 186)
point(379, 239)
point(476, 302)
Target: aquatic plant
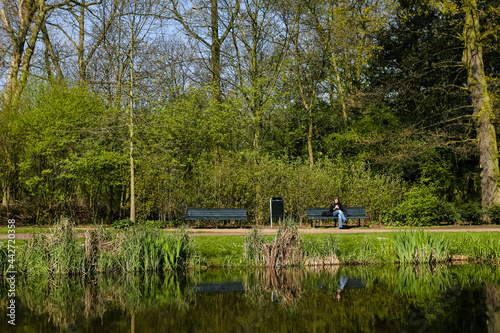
point(177, 250)
point(57, 252)
point(252, 248)
point(322, 253)
point(286, 247)
point(4, 264)
point(420, 247)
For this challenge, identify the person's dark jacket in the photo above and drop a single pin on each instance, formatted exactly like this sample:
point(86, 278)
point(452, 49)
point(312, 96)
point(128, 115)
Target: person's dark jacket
point(340, 207)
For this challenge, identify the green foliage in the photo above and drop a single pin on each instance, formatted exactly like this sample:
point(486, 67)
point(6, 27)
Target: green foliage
point(476, 246)
point(494, 213)
point(470, 212)
point(141, 249)
point(177, 250)
point(252, 248)
point(156, 224)
point(69, 149)
point(56, 253)
point(421, 207)
point(420, 247)
point(123, 224)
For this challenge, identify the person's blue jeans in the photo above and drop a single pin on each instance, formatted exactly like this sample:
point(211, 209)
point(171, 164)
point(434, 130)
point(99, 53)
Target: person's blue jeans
point(341, 216)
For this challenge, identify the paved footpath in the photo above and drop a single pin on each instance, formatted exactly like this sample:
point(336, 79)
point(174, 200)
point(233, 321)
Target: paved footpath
point(332, 230)
point(307, 230)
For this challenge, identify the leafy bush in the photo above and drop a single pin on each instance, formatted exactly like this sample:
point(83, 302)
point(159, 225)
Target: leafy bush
point(156, 224)
point(123, 224)
point(470, 212)
point(494, 213)
point(421, 207)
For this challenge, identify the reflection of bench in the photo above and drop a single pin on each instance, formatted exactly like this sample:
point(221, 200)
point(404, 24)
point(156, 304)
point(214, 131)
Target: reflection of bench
point(352, 213)
point(222, 287)
point(216, 214)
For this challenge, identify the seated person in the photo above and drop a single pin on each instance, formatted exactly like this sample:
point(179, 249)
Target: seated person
point(336, 209)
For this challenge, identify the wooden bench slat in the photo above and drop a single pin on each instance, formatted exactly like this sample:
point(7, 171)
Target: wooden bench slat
point(216, 214)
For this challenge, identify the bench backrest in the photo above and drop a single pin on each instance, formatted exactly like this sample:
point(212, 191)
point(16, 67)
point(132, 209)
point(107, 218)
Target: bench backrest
point(352, 212)
point(216, 214)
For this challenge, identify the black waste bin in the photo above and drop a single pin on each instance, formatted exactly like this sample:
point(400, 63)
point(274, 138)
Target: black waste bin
point(277, 205)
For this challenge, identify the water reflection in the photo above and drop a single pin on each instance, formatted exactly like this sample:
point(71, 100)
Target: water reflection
point(330, 299)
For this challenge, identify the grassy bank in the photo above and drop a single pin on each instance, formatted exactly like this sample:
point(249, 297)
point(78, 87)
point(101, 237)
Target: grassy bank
point(151, 249)
point(352, 248)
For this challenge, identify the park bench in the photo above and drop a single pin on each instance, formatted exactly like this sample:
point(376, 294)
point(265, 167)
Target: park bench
point(216, 214)
point(352, 213)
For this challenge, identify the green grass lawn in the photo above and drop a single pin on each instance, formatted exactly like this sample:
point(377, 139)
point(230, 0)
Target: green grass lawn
point(37, 230)
point(228, 250)
point(25, 230)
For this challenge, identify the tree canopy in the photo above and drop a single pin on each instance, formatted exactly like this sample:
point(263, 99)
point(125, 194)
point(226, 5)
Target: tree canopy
point(140, 109)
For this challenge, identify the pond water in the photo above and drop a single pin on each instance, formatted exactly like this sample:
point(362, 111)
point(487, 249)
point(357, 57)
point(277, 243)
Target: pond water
point(463, 298)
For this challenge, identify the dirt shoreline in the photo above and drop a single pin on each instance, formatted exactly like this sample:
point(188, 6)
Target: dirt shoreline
point(305, 231)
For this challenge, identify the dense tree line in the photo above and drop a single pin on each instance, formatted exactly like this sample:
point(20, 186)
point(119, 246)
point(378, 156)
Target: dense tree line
point(139, 109)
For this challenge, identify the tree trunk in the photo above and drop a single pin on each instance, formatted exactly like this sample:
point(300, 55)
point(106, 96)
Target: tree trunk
point(82, 63)
point(215, 51)
point(131, 128)
point(482, 105)
point(493, 307)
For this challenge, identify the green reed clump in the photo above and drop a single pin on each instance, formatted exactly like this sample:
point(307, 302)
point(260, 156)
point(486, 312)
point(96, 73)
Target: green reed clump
point(141, 249)
point(420, 247)
point(33, 257)
point(137, 249)
point(55, 253)
point(252, 248)
point(322, 252)
point(4, 258)
point(176, 250)
point(146, 248)
point(65, 255)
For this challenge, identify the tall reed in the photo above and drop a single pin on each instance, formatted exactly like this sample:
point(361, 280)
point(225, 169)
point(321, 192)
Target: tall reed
point(420, 247)
point(176, 250)
point(55, 253)
point(252, 248)
point(286, 247)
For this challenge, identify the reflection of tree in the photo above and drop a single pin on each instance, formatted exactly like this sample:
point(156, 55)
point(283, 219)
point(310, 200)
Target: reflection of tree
point(62, 299)
point(279, 286)
point(493, 306)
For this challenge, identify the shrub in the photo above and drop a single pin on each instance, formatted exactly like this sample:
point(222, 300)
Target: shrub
point(421, 207)
point(470, 212)
point(123, 224)
point(494, 213)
